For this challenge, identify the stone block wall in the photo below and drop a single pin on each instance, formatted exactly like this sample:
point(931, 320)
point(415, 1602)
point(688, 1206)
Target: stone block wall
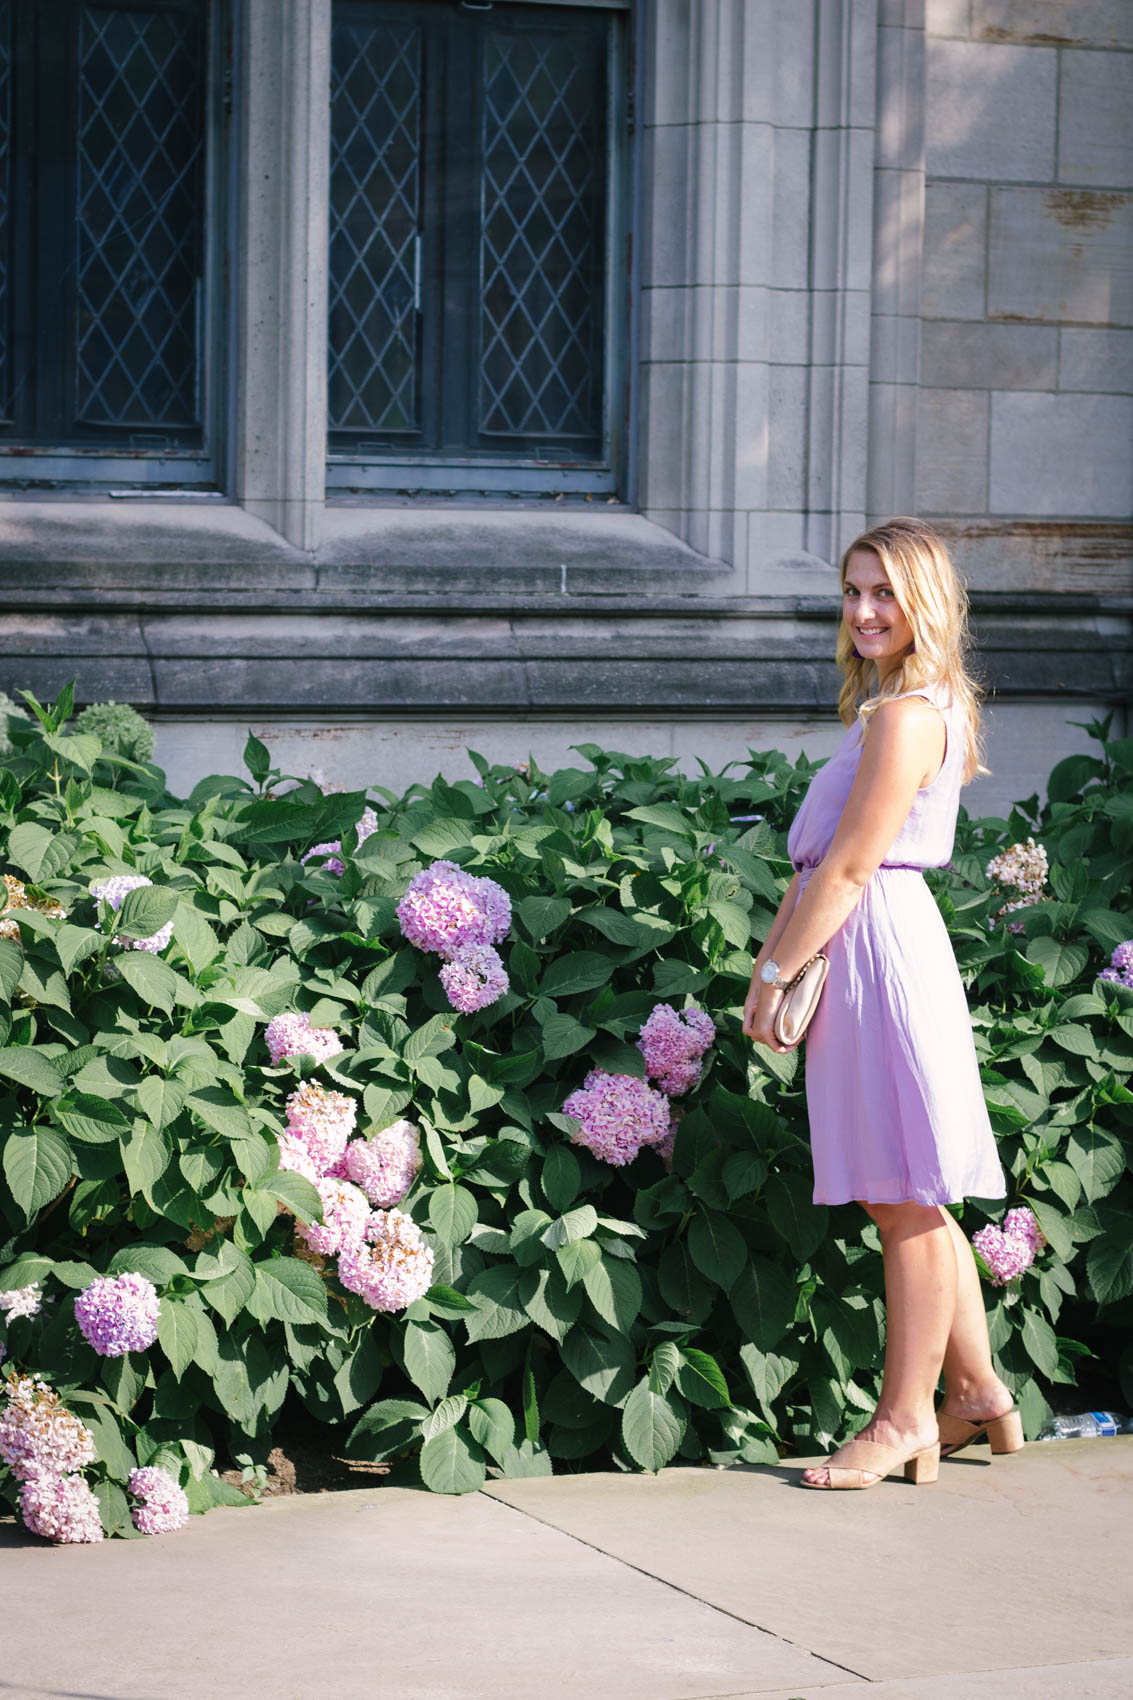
point(1025, 410)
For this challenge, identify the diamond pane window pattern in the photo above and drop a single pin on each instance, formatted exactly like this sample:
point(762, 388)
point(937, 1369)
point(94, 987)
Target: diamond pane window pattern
point(374, 219)
point(471, 165)
point(541, 237)
point(5, 198)
point(139, 202)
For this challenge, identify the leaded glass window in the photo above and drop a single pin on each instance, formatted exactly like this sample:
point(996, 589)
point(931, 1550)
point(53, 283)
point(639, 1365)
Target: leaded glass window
point(103, 150)
point(471, 289)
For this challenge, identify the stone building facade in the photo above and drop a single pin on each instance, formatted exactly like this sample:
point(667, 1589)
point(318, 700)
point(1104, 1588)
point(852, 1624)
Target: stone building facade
point(865, 257)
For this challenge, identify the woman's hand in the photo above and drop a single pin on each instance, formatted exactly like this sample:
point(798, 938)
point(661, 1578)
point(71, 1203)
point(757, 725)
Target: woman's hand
point(759, 1016)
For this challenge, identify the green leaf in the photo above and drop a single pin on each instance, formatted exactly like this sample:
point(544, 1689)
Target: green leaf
point(701, 1379)
point(11, 967)
point(561, 1176)
point(613, 1287)
point(1109, 1264)
point(652, 1429)
point(549, 1302)
point(161, 1101)
point(289, 1290)
point(603, 1364)
point(1040, 1344)
point(1076, 1039)
point(430, 1358)
point(767, 1373)
point(663, 1366)
point(789, 1205)
point(577, 1224)
point(37, 1164)
point(233, 1279)
point(577, 1259)
point(296, 1194)
point(177, 1334)
point(542, 915)
point(1059, 962)
point(387, 1427)
point(152, 979)
point(452, 1213)
point(195, 937)
point(717, 1247)
point(145, 911)
point(1097, 1160)
point(145, 1156)
point(563, 1035)
point(39, 853)
point(30, 1068)
point(578, 971)
point(493, 1425)
point(452, 1462)
point(763, 1302)
point(495, 1293)
point(667, 817)
point(257, 758)
point(91, 1120)
point(446, 1415)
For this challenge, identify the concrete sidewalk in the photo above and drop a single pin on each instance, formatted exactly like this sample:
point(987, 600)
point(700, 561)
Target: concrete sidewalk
point(1006, 1580)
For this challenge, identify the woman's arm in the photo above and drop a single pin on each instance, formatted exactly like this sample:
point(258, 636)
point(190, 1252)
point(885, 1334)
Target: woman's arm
point(775, 932)
point(903, 745)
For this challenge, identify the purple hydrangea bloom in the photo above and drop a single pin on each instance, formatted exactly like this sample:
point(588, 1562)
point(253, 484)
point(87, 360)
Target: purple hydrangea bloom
point(1006, 1254)
point(619, 1114)
point(345, 1209)
point(1120, 968)
point(118, 1314)
point(474, 977)
point(333, 863)
point(445, 908)
point(385, 1165)
point(165, 1505)
point(673, 1043)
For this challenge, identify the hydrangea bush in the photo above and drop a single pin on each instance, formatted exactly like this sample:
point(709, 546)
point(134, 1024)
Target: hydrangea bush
point(548, 1211)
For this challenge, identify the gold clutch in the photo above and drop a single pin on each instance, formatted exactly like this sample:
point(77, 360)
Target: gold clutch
point(800, 1000)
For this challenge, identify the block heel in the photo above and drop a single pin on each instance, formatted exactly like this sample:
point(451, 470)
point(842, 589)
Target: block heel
point(924, 1466)
point(1005, 1434)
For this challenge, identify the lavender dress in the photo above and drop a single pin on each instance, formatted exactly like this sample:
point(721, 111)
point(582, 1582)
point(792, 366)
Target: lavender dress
point(892, 1084)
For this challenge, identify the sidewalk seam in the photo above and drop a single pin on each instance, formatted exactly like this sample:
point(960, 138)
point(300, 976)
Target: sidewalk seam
point(748, 1622)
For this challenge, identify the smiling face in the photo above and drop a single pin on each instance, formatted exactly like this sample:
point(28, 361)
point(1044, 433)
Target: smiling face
point(873, 616)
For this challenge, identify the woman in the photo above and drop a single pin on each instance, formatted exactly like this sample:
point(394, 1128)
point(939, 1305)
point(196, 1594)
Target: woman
point(897, 1116)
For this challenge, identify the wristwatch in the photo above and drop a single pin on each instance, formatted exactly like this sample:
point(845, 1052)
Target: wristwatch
point(770, 975)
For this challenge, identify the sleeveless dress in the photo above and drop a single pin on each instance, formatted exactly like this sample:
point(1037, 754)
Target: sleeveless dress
point(893, 1089)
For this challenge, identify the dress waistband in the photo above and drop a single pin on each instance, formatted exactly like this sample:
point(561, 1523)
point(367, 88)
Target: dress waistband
point(911, 867)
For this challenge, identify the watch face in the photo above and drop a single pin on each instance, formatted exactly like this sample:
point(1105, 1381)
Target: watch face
point(769, 972)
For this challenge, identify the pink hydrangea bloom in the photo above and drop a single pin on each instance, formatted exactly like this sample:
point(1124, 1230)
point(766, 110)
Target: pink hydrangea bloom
point(118, 1314)
point(39, 1435)
point(165, 1505)
point(322, 1121)
point(345, 1209)
point(473, 977)
point(293, 1155)
point(60, 1508)
point(1006, 1255)
point(391, 1266)
point(444, 908)
point(22, 1301)
point(386, 1165)
point(114, 891)
point(1021, 1222)
point(619, 1114)
point(673, 1043)
point(292, 1035)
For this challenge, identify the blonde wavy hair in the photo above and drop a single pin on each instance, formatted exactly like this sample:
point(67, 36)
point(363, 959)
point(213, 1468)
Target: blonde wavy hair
point(935, 603)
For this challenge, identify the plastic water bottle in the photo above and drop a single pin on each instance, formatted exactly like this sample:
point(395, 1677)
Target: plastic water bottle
point(1085, 1425)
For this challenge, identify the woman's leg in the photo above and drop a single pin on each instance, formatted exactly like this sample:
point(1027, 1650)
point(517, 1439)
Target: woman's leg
point(971, 1387)
point(920, 1302)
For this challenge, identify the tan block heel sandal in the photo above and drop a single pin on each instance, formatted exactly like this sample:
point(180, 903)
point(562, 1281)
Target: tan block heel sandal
point(1004, 1434)
point(850, 1466)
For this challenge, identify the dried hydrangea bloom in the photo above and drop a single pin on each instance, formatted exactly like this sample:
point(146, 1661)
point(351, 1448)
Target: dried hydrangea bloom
point(322, 1121)
point(345, 1209)
point(38, 1434)
point(165, 1505)
point(293, 1155)
point(673, 1043)
point(391, 1266)
point(114, 891)
point(619, 1114)
point(445, 908)
point(292, 1035)
point(1022, 868)
point(118, 1314)
point(22, 1301)
point(15, 896)
point(62, 1509)
point(474, 977)
point(386, 1165)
